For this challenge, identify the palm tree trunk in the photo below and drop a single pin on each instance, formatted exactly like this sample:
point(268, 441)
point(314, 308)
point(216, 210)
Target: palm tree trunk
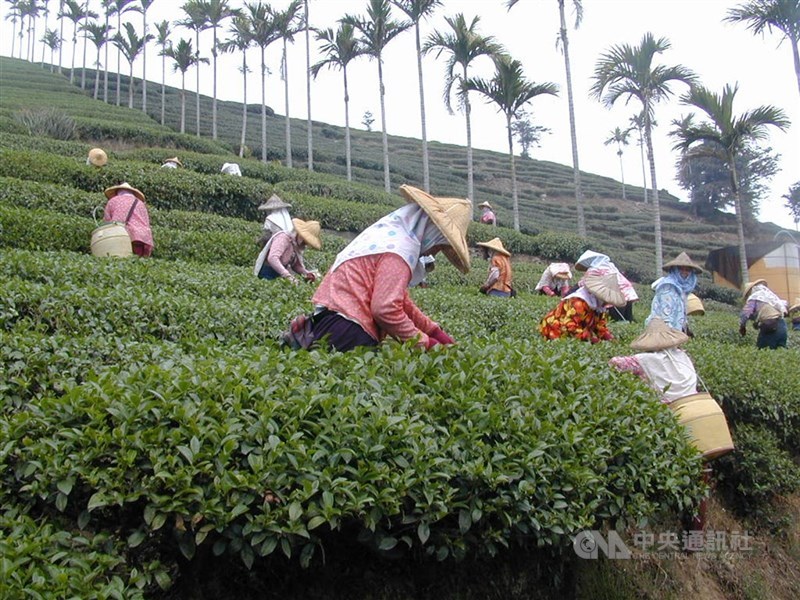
point(214, 101)
point(74, 51)
point(263, 109)
point(737, 200)
point(244, 105)
point(97, 75)
point(144, 60)
point(119, 54)
point(130, 88)
point(656, 208)
point(426, 174)
point(60, 47)
point(470, 180)
point(163, 86)
point(85, 35)
point(622, 174)
point(387, 184)
point(308, 94)
point(197, 83)
point(796, 58)
point(285, 75)
point(13, 36)
point(52, 52)
point(183, 102)
point(347, 127)
point(644, 173)
point(105, 67)
point(514, 195)
point(576, 170)
point(44, 46)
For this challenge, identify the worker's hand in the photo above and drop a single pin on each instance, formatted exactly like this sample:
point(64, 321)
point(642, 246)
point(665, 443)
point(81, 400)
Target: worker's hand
point(293, 280)
point(431, 343)
point(441, 336)
point(310, 277)
point(743, 330)
point(548, 290)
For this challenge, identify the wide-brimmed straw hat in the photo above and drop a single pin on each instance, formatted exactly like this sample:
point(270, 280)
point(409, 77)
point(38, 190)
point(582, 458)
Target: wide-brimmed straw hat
point(97, 157)
point(659, 336)
point(452, 216)
point(796, 306)
point(495, 244)
point(694, 306)
point(309, 231)
point(175, 160)
point(484, 205)
point(683, 260)
point(605, 288)
point(749, 287)
point(125, 186)
point(274, 203)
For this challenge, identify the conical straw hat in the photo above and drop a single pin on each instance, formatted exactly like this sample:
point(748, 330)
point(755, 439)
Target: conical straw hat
point(309, 231)
point(605, 288)
point(659, 336)
point(485, 205)
point(451, 216)
point(694, 306)
point(112, 191)
point(795, 306)
point(97, 157)
point(749, 287)
point(495, 244)
point(683, 260)
point(274, 203)
point(175, 160)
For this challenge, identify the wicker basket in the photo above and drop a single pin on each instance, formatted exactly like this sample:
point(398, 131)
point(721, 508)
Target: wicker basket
point(704, 419)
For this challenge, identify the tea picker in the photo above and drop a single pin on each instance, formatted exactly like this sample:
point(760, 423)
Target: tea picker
point(126, 229)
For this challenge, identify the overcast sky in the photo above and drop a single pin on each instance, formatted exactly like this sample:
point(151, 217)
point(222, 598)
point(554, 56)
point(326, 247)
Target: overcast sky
point(720, 53)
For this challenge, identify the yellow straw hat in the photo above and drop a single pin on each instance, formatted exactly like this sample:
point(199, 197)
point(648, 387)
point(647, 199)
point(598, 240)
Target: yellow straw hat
point(796, 306)
point(605, 288)
point(749, 287)
point(485, 205)
point(97, 157)
point(113, 190)
point(659, 336)
point(495, 244)
point(452, 216)
point(309, 231)
point(694, 306)
point(683, 260)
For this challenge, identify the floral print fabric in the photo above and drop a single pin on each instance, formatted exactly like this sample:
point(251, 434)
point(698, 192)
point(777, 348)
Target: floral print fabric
point(573, 317)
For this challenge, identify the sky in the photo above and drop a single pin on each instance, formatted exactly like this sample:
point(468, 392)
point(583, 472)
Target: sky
point(720, 53)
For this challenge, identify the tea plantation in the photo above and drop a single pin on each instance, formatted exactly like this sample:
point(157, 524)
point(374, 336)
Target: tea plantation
point(156, 440)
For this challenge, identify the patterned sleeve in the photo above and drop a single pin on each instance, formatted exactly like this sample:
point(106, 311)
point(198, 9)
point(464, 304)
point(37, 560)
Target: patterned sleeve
point(748, 311)
point(391, 307)
point(669, 306)
point(279, 245)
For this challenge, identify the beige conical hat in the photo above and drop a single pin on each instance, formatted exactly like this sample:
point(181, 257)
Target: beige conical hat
point(795, 306)
point(274, 203)
point(485, 205)
point(683, 260)
point(112, 191)
point(309, 231)
point(749, 287)
point(495, 244)
point(97, 157)
point(175, 160)
point(605, 288)
point(659, 336)
point(694, 306)
point(452, 216)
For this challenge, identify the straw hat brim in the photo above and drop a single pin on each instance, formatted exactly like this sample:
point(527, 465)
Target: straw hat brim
point(112, 191)
point(174, 159)
point(749, 287)
point(484, 205)
point(452, 216)
point(605, 288)
point(98, 157)
point(683, 260)
point(694, 306)
point(274, 203)
point(495, 244)
point(309, 231)
point(659, 336)
point(795, 306)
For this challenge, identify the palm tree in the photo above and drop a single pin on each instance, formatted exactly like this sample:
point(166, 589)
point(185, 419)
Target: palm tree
point(576, 171)
point(108, 10)
point(73, 12)
point(309, 127)
point(87, 14)
point(637, 122)
point(724, 135)
point(131, 46)
point(52, 41)
point(31, 11)
point(339, 49)
point(46, 10)
point(216, 11)
point(146, 4)
point(184, 57)
point(510, 91)
point(761, 15)
point(620, 138)
point(98, 35)
point(287, 23)
point(628, 71)
point(263, 27)
point(120, 7)
point(14, 15)
point(464, 44)
point(163, 32)
point(241, 39)
point(417, 10)
point(196, 21)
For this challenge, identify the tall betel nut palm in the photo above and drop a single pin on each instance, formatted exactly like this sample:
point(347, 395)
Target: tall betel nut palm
point(564, 39)
point(131, 46)
point(339, 48)
point(197, 21)
point(628, 71)
point(463, 44)
point(620, 138)
point(510, 91)
point(163, 33)
point(377, 30)
point(766, 15)
point(216, 11)
point(183, 57)
point(262, 25)
point(724, 135)
point(287, 23)
point(119, 7)
point(241, 39)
